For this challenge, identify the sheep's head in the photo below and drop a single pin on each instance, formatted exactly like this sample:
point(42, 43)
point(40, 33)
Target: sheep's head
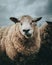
point(26, 25)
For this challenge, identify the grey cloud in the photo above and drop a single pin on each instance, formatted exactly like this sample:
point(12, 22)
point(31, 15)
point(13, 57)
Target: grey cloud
point(29, 2)
point(49, 7)
point(17, 8)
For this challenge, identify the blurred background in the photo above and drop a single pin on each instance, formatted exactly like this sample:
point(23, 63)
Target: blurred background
point(17, 8)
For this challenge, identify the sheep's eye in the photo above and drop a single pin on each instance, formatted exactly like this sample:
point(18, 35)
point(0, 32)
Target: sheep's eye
point(21, 23)
point(31, 23)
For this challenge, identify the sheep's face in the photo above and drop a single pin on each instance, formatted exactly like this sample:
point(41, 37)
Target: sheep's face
point(27, 25)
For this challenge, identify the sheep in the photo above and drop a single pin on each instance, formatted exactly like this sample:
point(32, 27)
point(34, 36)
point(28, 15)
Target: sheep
point(21, 41)
point(44, 56)
point(46, 33)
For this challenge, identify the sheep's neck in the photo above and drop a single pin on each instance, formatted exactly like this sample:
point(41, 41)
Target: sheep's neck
point(26, 42)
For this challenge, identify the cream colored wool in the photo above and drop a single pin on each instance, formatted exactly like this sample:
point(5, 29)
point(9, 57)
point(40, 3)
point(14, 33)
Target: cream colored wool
point(13, 42)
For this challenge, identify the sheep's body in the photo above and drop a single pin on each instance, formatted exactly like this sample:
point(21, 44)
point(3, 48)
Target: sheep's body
point(46, 33)
point(3, 33)
point(3, 56)
point(17, 47)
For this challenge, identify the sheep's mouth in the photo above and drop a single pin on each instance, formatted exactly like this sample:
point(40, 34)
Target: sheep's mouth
point(28, 35)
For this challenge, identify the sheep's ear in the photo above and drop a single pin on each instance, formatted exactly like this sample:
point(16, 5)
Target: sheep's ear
point(37, 19)
point(15, 20)
point(49, 22)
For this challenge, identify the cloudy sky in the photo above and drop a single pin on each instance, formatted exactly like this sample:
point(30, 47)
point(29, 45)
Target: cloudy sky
point(17, 8)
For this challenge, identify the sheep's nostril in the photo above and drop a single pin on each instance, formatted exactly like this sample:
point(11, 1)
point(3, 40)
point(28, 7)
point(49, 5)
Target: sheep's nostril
point(26, 31)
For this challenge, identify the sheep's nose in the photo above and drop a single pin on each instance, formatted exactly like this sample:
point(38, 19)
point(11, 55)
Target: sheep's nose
point(26, 31)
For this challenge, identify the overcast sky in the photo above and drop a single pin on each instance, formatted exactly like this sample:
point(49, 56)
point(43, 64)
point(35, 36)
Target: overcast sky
point(17, 8)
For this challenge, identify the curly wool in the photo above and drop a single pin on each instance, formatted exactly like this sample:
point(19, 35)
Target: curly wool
point(16, 47)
